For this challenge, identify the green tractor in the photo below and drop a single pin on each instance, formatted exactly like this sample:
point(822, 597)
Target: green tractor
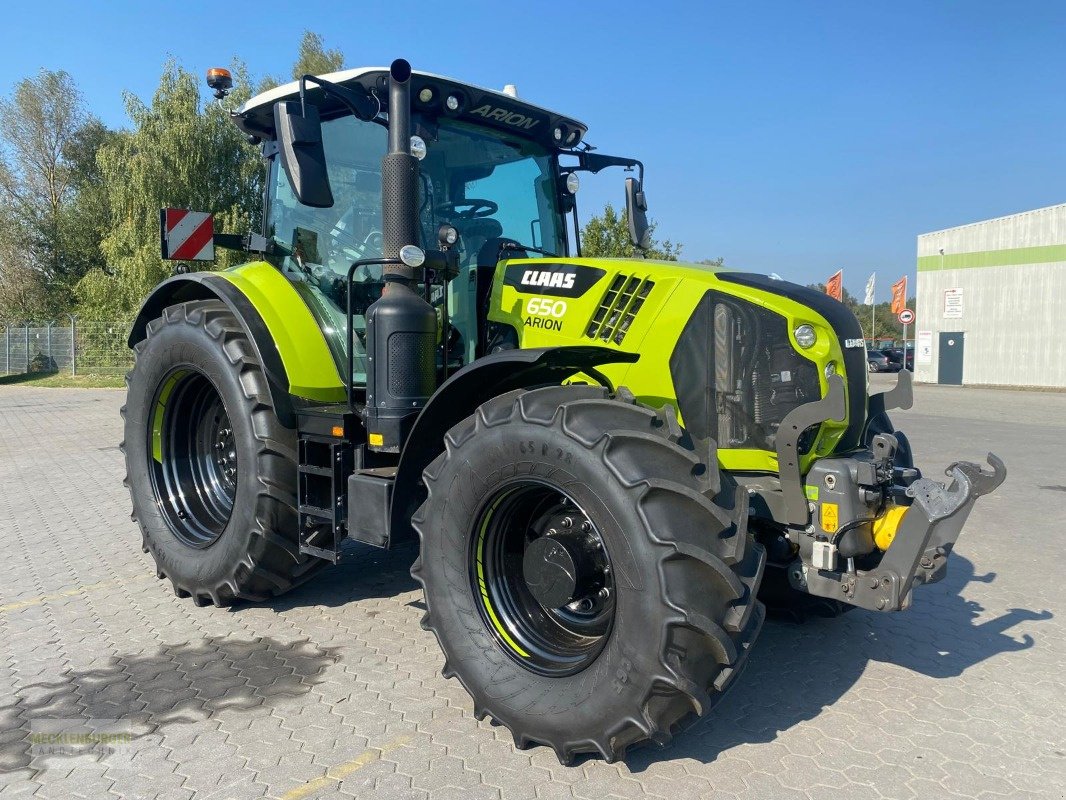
point(611, 464)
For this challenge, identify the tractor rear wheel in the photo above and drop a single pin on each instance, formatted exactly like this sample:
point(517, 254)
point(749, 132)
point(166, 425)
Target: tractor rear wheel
point(210, 468)
point(584, 584)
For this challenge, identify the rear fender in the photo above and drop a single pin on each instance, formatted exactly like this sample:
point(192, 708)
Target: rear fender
point(285, 336)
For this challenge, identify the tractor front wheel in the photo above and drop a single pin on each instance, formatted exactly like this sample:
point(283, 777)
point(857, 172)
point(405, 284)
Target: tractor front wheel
point(584, 584)
point(210, 468)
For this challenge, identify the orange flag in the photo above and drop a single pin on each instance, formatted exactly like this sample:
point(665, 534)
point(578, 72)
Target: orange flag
point(899, 295)
point(834, 286)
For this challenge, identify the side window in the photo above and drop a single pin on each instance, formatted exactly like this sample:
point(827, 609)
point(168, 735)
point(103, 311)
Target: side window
point(314, 247)
point(332, 238)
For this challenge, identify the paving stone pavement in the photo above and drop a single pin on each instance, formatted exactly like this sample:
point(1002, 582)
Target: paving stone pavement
point(334, 690)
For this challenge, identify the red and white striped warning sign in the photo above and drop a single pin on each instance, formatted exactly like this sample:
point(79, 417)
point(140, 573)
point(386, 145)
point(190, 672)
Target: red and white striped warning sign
point(187, 235)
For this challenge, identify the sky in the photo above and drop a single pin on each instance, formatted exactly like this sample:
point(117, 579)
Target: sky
point(790, 137)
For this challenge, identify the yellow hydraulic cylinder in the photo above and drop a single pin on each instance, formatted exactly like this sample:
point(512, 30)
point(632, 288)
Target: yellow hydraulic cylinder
point(886, 525)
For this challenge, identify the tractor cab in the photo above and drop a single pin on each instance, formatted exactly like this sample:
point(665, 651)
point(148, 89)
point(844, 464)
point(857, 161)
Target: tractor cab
point(488, 169)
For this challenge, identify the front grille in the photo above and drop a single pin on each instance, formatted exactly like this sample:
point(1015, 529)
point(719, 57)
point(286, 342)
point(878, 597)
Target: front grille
point(618, 308)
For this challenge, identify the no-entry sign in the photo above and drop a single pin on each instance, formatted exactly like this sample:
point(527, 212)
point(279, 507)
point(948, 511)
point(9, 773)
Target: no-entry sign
point(905, 317)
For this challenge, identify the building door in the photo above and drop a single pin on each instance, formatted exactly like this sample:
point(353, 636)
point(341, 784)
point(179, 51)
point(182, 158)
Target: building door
point(949, 369)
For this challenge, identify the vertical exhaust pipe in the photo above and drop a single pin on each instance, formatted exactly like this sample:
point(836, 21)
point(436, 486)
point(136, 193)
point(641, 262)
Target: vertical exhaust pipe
point(401, 327)
point(399, 173)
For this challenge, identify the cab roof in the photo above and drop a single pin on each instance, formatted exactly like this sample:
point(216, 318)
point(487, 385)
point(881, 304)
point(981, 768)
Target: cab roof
point(477, 105)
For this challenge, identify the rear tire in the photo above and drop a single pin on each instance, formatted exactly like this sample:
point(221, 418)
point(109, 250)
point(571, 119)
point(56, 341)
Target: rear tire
point(210, 468)
point(683, 568)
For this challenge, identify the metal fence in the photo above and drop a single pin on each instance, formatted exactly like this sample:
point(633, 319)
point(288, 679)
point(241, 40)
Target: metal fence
point(72, 346)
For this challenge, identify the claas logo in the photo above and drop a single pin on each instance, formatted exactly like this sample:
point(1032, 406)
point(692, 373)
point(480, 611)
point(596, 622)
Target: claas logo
point(554, 280)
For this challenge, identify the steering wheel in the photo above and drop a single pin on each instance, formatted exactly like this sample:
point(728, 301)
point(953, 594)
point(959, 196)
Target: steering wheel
point(344, 254)
point(475, 208)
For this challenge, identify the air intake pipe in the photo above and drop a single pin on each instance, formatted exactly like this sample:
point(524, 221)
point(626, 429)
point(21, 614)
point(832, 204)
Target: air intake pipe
point(401, 327)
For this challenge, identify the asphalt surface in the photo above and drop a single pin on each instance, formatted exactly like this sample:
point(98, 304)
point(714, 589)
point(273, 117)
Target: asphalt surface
point(334, 690)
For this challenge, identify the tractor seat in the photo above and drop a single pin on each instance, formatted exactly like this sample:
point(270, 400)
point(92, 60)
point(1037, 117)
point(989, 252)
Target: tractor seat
point(476, 232)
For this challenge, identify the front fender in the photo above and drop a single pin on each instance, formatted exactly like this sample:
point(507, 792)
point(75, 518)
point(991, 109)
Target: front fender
point(460, 395)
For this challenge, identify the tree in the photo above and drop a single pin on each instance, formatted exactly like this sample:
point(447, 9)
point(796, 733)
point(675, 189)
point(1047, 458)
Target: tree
point(179, 153)
point(607, 236)
point(42, 162)
point(23, 294)
point(314, 59)
point(85, 221)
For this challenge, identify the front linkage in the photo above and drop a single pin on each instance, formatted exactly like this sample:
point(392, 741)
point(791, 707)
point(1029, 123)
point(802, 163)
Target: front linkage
point(866, 527)
point(919, 549)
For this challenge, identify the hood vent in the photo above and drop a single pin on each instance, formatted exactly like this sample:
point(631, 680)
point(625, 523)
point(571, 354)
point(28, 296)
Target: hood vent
point(619, 308)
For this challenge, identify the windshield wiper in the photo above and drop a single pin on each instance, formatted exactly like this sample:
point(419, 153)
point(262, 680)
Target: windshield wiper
point(527, 248)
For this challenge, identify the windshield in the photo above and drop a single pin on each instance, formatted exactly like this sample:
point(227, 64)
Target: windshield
point(491, 186)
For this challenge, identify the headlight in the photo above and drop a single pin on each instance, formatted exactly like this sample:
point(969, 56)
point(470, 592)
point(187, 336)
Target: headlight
point(830, 369)
point(418, 147)
point(805, 336)
point(447, 234)
point(573, 183)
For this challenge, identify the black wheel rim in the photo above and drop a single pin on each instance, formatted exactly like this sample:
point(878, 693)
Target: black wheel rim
point(193, 457)
point(518, 595)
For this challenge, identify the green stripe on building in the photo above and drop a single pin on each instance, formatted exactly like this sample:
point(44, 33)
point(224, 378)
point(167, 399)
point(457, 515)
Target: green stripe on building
point(993, 258)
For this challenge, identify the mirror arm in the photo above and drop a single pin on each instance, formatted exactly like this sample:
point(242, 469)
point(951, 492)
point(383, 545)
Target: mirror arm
point(335, 91)
point(594, 162)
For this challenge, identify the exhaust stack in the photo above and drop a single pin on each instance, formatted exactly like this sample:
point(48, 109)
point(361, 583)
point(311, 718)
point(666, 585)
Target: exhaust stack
point(399, 173)
point(401, 327)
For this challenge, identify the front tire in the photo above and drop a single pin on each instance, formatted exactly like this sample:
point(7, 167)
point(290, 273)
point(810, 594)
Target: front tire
point(585, 676)
point(210, 467)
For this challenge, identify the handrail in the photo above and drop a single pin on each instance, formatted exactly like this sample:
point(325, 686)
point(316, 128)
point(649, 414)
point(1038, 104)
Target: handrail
point(363, 262)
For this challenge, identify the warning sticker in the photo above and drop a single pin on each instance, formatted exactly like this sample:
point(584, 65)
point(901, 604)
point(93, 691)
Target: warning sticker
point(830, 517)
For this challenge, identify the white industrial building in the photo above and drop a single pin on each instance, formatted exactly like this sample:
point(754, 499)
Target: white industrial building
point(992, 301)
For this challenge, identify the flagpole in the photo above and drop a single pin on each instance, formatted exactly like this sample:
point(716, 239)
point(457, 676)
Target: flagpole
point(873, 341)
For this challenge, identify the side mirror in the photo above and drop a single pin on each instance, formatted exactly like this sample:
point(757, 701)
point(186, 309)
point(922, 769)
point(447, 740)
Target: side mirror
point(302, 155)
point(637, 212)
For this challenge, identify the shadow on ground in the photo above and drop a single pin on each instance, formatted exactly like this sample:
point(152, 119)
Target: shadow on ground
point(179, 683)
point(363, 573)
point(24, 377)
point(797, 670)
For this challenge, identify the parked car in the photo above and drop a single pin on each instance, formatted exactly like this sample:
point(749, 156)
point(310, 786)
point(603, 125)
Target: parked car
point(903, 358)
point(879, 362)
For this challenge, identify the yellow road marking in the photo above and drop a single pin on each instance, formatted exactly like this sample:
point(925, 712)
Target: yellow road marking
point(342, 771)
point(88, 587)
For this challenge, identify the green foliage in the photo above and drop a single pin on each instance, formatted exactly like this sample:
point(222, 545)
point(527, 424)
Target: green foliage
point(42, 164)
point(314, 59)
point(79, 203)
point(607, 236)
point(180, 153)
